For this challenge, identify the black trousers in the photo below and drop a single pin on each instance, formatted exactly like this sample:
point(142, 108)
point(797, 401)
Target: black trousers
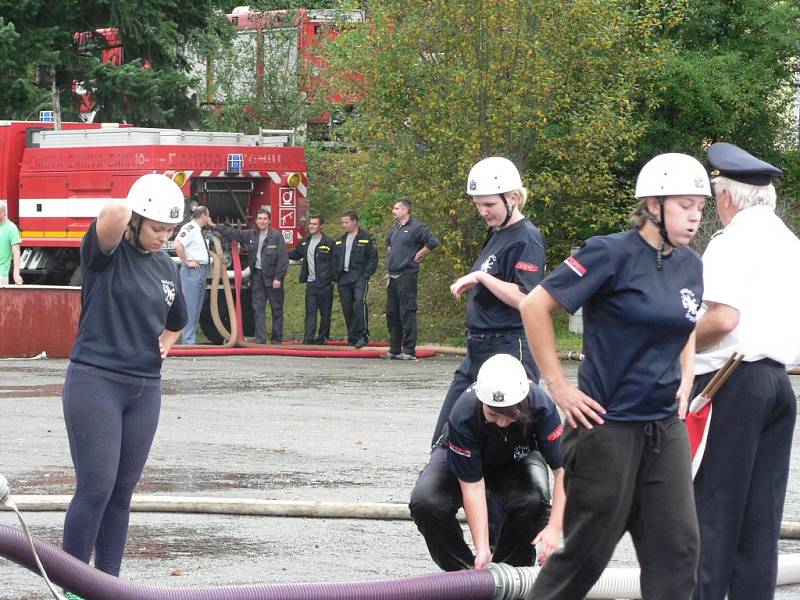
point(741, 484)
point(262, 292)
point(353, 297)
point(319, 299)
point(523, 490)
point(618, 477)
point(480, 347)
point(401, 313)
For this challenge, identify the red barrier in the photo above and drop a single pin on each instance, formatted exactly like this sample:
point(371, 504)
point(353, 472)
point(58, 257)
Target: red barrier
point(38, 318)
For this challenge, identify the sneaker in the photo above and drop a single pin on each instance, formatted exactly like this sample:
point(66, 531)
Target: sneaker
point(360, 343)
point(321, 341)
point(404, 356)
point(389, 355)
point(71, 596)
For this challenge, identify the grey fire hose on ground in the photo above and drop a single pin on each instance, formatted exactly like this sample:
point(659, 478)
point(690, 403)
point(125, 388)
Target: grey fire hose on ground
point(498, 582)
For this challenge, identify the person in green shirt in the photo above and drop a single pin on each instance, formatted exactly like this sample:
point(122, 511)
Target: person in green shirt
point(9, 246)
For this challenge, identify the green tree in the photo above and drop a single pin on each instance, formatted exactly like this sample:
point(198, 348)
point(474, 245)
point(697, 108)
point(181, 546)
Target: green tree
point(552, 86)
point(731, 74)
point(264, 79)
point(255, 76)
point(36, 37)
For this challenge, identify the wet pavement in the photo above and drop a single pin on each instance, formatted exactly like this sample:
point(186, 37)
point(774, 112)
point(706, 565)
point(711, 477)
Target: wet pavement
point(286, 428)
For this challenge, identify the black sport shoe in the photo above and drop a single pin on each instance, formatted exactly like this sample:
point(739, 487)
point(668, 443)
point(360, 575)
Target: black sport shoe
point(361, 343)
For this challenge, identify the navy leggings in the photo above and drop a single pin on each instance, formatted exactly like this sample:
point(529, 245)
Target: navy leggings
point(111, 420)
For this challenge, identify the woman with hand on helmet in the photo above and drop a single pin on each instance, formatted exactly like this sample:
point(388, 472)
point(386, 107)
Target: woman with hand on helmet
point(626, 449)
point(132, 313)
point(500, 436)
point(510, 265)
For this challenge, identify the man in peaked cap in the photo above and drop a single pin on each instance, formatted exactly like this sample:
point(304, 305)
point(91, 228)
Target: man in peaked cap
point(752, 290)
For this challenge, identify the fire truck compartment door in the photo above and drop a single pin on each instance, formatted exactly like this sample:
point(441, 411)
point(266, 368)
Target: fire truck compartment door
point(43, 207)
point(87, 193)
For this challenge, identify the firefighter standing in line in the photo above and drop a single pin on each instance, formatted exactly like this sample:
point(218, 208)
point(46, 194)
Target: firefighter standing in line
point(752, 290)
point(268, 260)
point(190, 246)
point(316, 252)
point(511, 264)
point(626, 450)
point(356, 261)
point(409, 240)
point(501, 435)
point(132, 313)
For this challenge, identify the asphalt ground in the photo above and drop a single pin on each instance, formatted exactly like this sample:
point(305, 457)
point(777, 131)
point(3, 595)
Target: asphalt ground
point(286, 428)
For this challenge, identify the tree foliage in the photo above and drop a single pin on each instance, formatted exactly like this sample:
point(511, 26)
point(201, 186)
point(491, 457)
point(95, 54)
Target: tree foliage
point(37, 35)
point(552, 86)
point(731, 74)
point(244, 95)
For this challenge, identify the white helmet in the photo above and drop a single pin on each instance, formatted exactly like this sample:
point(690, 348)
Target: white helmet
point(493, 175)
point(502, 381)
point(672, 175)
point(156, 197)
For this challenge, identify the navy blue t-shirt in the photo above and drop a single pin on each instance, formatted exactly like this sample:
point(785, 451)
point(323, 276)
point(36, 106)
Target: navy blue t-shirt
point(636, 321)
point(128, 299)
point(514, 254)
point(473, 443)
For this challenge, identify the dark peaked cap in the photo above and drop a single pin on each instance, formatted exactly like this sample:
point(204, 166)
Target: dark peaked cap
point(734, 163)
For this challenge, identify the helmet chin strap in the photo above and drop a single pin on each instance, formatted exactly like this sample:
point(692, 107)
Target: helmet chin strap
point(136, 230)
point(509, 210)
point(662, 230)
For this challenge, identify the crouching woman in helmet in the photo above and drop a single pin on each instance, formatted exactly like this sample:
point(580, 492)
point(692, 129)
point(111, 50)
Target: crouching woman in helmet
point(501, 435)
point(626, 450)
point(132, 313)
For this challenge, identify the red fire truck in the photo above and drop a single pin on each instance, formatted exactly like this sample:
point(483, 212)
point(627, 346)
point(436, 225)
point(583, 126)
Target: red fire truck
point(55, 182)
point(294, 52)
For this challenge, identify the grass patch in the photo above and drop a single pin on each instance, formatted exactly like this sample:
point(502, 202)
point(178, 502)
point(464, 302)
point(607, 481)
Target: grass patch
point(437, 325)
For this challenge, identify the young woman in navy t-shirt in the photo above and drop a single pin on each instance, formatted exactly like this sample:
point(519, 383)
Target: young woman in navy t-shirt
point(132, 313)
point(510, 265)
point(626, 450)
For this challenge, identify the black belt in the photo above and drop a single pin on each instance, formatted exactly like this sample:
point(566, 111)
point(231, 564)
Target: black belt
point(496, 332)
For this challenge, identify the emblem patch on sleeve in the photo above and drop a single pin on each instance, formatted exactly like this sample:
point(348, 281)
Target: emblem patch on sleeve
point(460, 451)
point(555, 434)
point(526, 266)
point(576, 266)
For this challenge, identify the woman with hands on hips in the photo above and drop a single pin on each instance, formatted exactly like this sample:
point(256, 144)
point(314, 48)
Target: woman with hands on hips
point(626, 449)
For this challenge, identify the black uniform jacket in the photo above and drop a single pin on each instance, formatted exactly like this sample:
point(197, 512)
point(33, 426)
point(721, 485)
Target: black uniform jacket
point(274, 255)
point(363, 257)
point(323, 260)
